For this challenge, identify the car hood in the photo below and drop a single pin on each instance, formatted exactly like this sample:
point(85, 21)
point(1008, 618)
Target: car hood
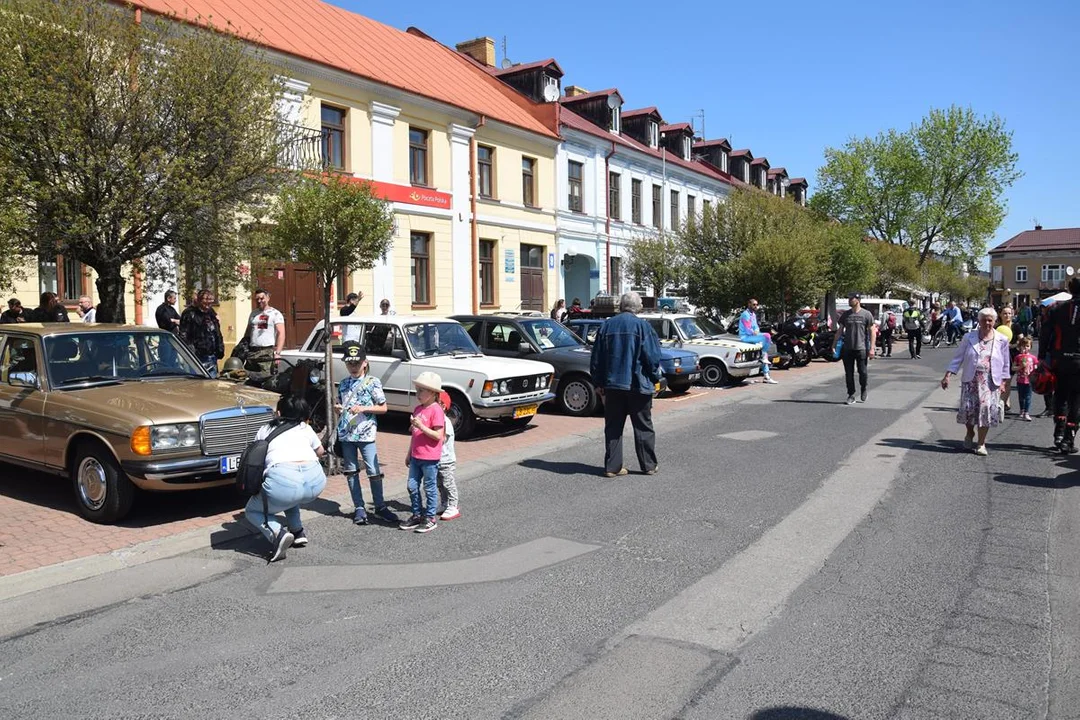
point(493, 368)
point(724, 342)
point(154, 402)
point(670, 353)
point(577, 355)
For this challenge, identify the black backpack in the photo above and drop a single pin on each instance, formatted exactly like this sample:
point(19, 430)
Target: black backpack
point(249, 474)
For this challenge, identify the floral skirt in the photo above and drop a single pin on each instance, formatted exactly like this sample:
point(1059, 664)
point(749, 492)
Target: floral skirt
point(980, 402)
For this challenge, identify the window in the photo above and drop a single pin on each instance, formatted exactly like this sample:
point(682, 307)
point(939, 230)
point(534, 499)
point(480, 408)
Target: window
point(674, 210)
point(997, 273)
point(528, 181)
point(723, 161)
point(420, 271)
point(686, 148)
point(615, 118)
point(503, 337)
point(333, 137)
point(574, 170)
point(1053, 273)
point(657, 206)
point(72, 279)
point(18, 365)
point(745, 171)
point(691, 206)
point(707, 206)
point(615, 275)
point(613, 196)
point(654, 134)
point(1021, 273)
point(341, 286)
point(485, 170)
point(418, 156)
point(48, 279)
point(553, 83)
point(635, 201)
point(487, 272)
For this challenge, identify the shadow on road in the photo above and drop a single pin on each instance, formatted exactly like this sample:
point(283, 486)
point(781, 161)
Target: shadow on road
point(795, 713)
point(810, 402)
point(561, 468)
point(1062, 482)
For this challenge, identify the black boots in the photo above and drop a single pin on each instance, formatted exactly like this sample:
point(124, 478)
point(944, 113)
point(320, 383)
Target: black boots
point(1059, 431)
point(1068, 443)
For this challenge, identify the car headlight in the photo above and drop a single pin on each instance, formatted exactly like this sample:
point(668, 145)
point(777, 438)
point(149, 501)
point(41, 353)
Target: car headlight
point(504, 388)
point(738, 357)
point(168, 437)
point(677, 362)
point(491, 387)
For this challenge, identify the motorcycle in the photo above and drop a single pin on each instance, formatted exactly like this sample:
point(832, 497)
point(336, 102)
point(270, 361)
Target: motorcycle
point(823, 343)
point(791, 350)
point(304, 378)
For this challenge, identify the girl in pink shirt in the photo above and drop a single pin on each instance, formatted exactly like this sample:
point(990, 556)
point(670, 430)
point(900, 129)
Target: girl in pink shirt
point(425, 450)
point(1023, 365)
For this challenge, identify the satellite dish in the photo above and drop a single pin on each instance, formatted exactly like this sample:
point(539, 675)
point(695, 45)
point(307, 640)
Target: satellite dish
point(551, 93)
point(1070, 271)
point(506, 63)
point(613, 101)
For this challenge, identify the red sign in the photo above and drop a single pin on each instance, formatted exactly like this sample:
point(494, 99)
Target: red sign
point(411, 195)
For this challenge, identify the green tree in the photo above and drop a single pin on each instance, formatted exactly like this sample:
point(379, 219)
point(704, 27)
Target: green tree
point(119, 140)
point(847, 260)
point(937, 188)
point(897, 268)
point(333, 225)
point(655, 261)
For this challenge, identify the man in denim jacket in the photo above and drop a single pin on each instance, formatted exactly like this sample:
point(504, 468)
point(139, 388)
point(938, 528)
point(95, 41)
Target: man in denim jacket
point(625, 369)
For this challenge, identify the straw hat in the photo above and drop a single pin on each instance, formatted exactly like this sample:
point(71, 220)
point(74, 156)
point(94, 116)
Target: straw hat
point(429, 381)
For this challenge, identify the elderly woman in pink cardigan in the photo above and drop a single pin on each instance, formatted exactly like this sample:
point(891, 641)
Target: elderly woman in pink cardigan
point(983, 363)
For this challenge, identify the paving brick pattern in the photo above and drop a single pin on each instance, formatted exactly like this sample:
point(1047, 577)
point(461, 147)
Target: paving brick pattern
point(40, 526)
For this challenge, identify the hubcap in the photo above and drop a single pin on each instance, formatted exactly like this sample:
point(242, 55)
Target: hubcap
point(93, 487)
point(576, 396)
point(711, 374)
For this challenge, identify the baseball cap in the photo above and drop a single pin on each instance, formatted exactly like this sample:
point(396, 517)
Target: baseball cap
point(854, 296)
point(353, 352)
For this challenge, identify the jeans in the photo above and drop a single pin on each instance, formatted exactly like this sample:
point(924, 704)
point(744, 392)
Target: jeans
point(766, 341)
point(448, 497)
point(853, 359)
point(886, 342)
point(1023, 391)
point(286, 486)
point(914, 342)
point(209, 363)
point(426, 472)
point(352, 453)
point(618, 405)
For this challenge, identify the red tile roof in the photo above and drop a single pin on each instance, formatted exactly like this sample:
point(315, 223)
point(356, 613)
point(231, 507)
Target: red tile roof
point(713, 143)
point(651, 110)
point(778, 171)
point(498, 72)
point(590, 96)
point(798, 181)
point(741, 153)
point(676, 127)
point(760, 161)
point(1057, 239)
point(331, 36)
point(570, 119)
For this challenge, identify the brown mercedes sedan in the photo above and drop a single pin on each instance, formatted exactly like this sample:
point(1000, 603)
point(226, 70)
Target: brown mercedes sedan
point(115, 407)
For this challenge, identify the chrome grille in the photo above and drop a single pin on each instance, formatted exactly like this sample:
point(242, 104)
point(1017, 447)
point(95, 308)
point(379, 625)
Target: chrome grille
point(228, 432)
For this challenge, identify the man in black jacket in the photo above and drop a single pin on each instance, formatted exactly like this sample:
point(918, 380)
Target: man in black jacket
point(1059, 346)
point(166, 315)
point(200, 329)
point(14, 313)
point(50, 310)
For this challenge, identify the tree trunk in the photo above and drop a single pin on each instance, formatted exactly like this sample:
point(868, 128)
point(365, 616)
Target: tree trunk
point(328, 360)
point(110, 289)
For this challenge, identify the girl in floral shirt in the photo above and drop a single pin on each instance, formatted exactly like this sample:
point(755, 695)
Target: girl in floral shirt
point(1023, 365)
point(361, 398)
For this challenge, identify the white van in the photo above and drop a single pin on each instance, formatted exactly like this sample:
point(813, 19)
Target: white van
point(878, 307)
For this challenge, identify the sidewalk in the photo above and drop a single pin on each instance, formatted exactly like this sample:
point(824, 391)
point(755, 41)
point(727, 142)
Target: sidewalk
point(41, 534)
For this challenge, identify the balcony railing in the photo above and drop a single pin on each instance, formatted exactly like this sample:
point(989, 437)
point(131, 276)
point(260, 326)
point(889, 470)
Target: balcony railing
point(301, 148)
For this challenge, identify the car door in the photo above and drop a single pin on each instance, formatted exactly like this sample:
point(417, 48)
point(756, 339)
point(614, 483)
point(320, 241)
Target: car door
point(22, 401)
point(388, 360)
point(504, 339)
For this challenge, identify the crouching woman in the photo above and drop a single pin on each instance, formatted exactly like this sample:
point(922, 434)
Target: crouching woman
point(292, 476)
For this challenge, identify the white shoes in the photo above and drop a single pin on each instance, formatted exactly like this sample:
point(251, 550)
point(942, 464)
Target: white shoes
point(451, 513)
point(769, 381)
point(981, 450)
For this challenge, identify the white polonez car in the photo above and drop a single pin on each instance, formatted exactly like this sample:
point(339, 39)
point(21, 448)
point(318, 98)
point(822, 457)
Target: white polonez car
point(723, 358)
point(400, 347)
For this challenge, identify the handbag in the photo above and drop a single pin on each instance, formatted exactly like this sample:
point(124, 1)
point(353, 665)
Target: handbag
point(839, 347)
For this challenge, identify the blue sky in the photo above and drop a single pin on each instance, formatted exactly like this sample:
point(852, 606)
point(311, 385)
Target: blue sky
point(791, 78)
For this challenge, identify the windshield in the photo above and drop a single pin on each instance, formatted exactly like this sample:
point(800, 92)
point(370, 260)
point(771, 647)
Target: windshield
point(711, 327)
point(119, 356)
point(692, 329)
point(439, 338)
point(548, 334)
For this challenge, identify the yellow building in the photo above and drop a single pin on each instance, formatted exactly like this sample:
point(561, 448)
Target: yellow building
point(1032, 265)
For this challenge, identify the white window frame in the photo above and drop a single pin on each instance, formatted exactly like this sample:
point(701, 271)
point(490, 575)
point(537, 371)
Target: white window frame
point(723, 161)
point(616, 119)
point(1058, 272)
point(1020, 268)
point(997, 273)
point(654, 134)
point(686, 148)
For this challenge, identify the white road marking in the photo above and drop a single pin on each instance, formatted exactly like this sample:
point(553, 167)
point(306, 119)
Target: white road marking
point(748, 435)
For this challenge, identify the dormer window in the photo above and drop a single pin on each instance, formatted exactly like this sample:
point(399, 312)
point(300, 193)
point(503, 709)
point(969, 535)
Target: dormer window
point(746, 172)
point(686, 148)
point(551, 90)
point(723, 161)
point(654, 134)
point(615, 118)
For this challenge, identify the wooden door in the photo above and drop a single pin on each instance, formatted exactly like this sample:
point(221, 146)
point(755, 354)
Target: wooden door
point(532, 277)
point(294, 290)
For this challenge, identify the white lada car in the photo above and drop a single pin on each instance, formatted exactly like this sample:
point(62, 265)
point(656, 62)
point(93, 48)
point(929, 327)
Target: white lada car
point(400, 347)
point(723, 358)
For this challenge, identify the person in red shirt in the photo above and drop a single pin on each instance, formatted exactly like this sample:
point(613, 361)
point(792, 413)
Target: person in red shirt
point(425, 451)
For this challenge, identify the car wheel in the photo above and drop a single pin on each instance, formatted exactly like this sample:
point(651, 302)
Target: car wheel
point(577, 396)
point(103, 493)
point(714, 373)
point(678, 388)
point(461, 415)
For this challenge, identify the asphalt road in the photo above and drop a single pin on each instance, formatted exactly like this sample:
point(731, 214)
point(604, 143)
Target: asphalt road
point(793, 558)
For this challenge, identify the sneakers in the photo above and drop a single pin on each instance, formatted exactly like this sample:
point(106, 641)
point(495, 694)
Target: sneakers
point(360, 517)
point(299, 538)
point(451, 513)
point(283, 542)
point(850, 400)
point(387, 515)
point(918, 357)
point(769, 381)
point(622, 471)
point(981, 450)
point(653, 471)
point(412, 523)
point(426, 526)
point(1025, 417)
point(862, 396)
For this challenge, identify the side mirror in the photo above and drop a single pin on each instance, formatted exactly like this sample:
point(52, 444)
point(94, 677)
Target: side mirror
point(23, 380)
point(524, 347)
point(399, 354)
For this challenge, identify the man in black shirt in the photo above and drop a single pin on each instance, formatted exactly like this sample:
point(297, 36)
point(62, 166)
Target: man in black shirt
point(351, 301)
point(1059, 346)
point(200, 329)
point(50, 310)
point(856, 325)
point(14, 313)
point(166, 315)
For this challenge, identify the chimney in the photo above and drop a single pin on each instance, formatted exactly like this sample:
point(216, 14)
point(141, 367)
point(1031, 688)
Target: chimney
point(481, 49)
point(1038, 227)
point(575, 90)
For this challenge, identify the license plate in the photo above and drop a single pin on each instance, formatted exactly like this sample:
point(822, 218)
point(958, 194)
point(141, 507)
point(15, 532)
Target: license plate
point(525, 411)
point(693, 376)
point(230, 464)
point(657, 387)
